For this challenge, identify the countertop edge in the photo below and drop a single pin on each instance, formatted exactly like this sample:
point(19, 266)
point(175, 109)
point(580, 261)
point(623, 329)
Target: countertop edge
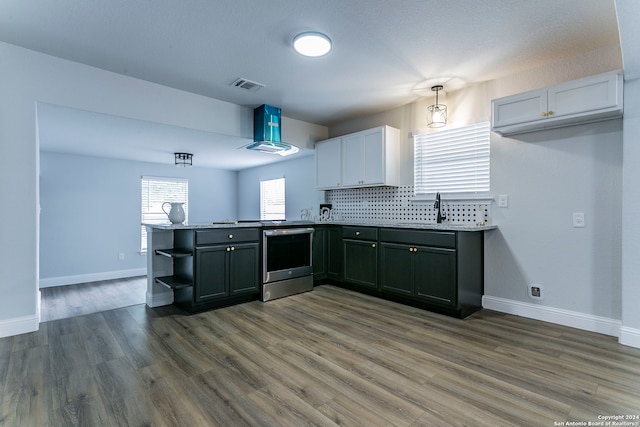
point(380, 224)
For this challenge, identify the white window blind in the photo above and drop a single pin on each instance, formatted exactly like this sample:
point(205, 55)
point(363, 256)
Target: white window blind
point(453, 161)
point(272, 200)
point(156, 191)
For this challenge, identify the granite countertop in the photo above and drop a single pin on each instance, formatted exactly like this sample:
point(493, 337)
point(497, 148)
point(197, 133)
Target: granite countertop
point(358, 223)
point(222, 224)
point(417, 225)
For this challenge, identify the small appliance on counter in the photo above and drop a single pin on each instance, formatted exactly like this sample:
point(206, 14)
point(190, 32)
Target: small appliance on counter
point(325, 212)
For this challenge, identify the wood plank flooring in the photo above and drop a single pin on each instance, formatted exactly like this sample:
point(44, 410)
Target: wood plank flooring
point(61, 302)
point(327, 357)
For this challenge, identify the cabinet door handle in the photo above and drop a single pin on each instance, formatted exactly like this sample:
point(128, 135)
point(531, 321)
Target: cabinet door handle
point(228, 249)
point(357, 233)
point(373, 245)
point(543, 114)
point(550, 112)
point(232, 248)
point(231, 236)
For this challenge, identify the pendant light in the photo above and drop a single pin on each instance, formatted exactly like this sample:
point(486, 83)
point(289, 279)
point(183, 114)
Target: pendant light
point(436, 113)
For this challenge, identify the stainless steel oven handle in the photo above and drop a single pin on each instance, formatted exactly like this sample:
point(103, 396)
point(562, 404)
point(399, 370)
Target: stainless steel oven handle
point(286, 231)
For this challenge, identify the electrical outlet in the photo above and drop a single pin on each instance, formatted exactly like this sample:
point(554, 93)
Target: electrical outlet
point(503, 200)
point(578, 219)
point(535, 291)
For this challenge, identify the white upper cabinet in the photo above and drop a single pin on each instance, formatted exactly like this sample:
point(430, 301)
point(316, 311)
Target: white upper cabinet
point(365, 159)
point(328, 163)
point(579, 101)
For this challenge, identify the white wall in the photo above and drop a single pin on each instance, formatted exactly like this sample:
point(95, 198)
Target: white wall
point(300, 192)
point(29, 77)
point(91, 213)
point(473, 103)
point(628, 12)
point(547, 176)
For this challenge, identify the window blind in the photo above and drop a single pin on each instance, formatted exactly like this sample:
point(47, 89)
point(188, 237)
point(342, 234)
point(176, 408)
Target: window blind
point(272, 200)
point(154, 192)
point(453, 161)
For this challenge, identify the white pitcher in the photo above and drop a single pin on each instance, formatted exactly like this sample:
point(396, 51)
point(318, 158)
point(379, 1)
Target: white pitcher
point(176, 213)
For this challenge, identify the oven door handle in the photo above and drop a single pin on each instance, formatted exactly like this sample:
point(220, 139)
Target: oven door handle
point(287, 231)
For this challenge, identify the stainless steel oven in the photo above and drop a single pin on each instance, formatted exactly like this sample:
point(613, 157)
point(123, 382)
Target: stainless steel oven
point(286, 263)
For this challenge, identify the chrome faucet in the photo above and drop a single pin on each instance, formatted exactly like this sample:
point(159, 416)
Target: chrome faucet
point(438, 206)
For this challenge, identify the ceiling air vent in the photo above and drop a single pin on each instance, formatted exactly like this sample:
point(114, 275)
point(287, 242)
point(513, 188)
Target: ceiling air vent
point(247, 84)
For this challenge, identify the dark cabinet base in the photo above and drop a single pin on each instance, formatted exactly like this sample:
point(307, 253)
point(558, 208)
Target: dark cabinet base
point(183, 298)
point(213, 268)
point(464, 310)
point(439, 271)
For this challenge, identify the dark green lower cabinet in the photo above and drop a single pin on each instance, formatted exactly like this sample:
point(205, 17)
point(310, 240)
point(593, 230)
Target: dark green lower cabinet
point(214, 267)
point(396, 268)
point(244, 269)
point(438, 270)
point(319, 253)
point(226, 270)
point(210, 276)
point(334, 253)
point(327, 253)
point(418, 271)
point(360, 263)
point(435, 275)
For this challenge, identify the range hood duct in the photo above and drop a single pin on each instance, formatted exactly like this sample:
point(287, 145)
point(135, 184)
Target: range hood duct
point(266, 132)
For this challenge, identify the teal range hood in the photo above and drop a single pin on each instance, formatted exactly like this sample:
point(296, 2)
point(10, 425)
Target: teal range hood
point(266, 132)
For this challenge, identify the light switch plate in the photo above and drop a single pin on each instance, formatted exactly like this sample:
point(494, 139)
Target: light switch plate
point(503, 200)
point(578, 219)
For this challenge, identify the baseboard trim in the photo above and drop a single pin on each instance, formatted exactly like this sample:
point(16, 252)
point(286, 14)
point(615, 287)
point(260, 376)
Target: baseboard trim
point(19, 325)
point(158, 299)
point(574, 319)
point(91, 277)
point(629, 336)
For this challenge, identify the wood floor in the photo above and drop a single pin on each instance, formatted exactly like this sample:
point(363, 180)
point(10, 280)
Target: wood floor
point(326, 357)
point(61, 302)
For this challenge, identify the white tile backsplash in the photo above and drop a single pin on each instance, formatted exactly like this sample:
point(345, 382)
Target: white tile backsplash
point(395, 204)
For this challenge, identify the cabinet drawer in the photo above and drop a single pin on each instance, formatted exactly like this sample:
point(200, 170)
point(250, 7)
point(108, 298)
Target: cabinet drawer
point(360, 233)
point(226, 235)
point(441, 239)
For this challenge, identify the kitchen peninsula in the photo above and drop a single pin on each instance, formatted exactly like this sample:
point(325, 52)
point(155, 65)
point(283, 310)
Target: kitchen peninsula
point(437, 267)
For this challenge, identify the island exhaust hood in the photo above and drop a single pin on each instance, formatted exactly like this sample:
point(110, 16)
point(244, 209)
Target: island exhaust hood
point(266, 132)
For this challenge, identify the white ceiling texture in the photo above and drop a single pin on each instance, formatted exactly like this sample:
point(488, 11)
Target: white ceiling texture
point(385, 54)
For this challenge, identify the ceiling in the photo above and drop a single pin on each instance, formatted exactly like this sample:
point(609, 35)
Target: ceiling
point(386, 54)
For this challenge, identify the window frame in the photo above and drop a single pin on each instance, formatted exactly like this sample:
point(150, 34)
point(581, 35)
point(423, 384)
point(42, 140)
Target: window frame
point(455, 162)
point(159, 217)
point(268, 187)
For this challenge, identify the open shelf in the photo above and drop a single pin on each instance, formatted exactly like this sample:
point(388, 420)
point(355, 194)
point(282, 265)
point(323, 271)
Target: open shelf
point(173, 253)
point(175, 282)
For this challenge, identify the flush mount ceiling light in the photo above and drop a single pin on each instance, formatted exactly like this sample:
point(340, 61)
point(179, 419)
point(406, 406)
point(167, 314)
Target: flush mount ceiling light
point(312, 44)
point(183, 159)
point(436, 113)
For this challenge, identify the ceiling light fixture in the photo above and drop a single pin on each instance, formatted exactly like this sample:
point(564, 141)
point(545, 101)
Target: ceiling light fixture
point(436, 113)
point(184, 159)
point(312, 44)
